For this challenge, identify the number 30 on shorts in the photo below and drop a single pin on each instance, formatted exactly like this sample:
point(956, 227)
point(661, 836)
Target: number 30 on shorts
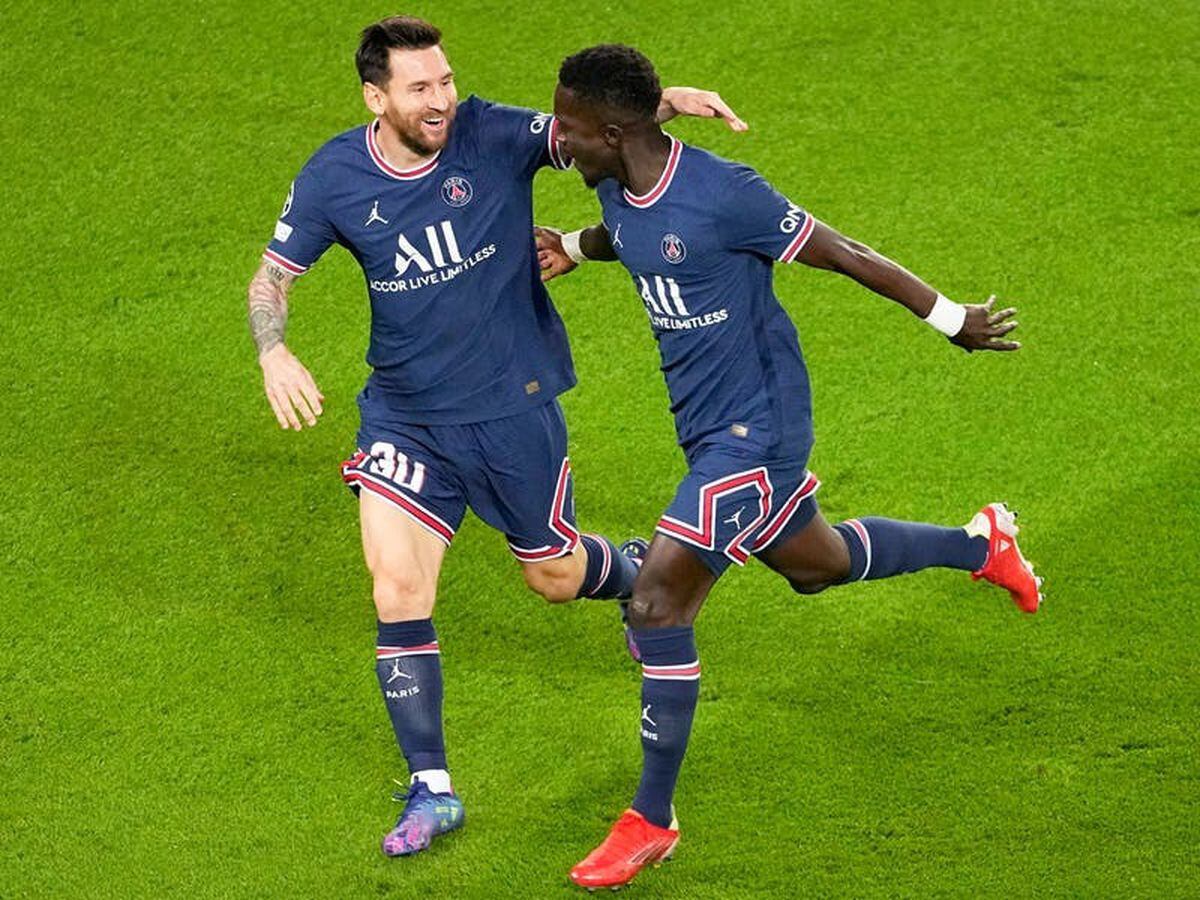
point(395, 466)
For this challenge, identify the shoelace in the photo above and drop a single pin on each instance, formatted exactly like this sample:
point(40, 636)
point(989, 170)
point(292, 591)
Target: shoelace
point(410, 793)
point(411, 797)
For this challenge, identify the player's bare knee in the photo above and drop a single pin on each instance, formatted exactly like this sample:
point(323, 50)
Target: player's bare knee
point(654, 607)
point(556, 580)
point(402, 593)
point(553, 586)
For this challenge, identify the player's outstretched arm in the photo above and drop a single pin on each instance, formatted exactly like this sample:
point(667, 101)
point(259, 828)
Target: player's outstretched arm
point(289, 387)
point(686, 101)
point(560, 253)
point(970, 326)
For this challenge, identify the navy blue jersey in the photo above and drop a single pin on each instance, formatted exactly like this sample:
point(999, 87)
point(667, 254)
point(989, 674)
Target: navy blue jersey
point(700, 247)
point(462, 329)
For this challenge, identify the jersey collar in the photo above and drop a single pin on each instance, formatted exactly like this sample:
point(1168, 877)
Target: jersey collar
point(387, 168)
point(649, 198)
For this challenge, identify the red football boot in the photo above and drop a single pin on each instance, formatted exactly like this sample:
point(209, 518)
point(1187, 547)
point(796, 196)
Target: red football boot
point(632, 843)
point(1005, 566)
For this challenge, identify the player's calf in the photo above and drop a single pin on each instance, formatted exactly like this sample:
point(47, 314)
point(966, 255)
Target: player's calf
point(881, 548)
point(813, 582)
point(812, 559)
point(610, 570)
point(821, 573)
point(596, 569)
point(409, 670)
point(556, 580)
point(820, 556)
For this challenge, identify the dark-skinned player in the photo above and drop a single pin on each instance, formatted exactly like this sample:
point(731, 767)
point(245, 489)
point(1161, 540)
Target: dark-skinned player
point(699, 236)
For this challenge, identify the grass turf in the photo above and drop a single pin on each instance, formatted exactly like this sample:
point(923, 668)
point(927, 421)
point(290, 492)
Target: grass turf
point(186, 698)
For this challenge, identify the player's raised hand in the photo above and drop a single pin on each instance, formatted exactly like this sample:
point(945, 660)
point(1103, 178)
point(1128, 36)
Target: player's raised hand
point(686, 101)
point(984, 329)
point(552, 259)
point(290, 388)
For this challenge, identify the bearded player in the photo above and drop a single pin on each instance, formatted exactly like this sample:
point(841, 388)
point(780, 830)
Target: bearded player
point(434, 200)
point(699, 237)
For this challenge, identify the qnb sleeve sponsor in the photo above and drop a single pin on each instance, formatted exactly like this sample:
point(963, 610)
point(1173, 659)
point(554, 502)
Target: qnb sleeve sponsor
point(757, 218)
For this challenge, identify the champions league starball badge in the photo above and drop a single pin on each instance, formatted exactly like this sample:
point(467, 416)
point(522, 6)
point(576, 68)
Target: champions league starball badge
point(673, 250)
point(456, 191)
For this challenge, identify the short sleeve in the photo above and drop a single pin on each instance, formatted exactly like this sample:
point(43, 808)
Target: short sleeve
point(528, 137)
point(303, 231)
point(757, 218)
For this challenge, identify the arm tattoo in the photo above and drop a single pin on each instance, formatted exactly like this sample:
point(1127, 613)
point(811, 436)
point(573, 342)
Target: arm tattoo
point(268, 307)
point(275, 274)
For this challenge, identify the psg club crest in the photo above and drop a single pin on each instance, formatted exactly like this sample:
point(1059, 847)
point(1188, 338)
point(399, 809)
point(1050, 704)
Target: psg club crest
point(456, 191)
point(673, 250)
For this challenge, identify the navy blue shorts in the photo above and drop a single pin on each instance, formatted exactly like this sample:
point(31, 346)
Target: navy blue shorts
point(513, 472)
point(732, 505)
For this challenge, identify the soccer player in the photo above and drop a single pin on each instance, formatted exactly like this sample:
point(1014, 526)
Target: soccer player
point(699, 236)
point(434, 200)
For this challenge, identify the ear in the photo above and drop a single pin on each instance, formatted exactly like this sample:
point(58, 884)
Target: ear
point(613, 135)
point(373, 97)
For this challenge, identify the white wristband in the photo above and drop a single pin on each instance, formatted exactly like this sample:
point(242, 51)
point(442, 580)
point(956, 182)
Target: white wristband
point(570, 245)
point(947, 316)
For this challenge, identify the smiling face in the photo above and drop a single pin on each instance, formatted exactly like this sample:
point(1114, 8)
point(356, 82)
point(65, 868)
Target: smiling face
point(593, 144)
point(419, 99)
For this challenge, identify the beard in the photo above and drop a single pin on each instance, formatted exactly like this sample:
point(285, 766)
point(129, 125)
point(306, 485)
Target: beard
point(412, 134)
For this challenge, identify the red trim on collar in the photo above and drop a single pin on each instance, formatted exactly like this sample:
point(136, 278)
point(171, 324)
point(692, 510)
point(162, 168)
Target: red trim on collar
point(387, 168)
point(664, 180)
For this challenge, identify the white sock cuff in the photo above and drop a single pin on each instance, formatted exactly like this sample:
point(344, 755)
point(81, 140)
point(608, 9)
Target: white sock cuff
point(437, 780)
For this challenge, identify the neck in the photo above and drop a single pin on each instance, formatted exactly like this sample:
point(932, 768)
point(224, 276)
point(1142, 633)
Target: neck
point(398, 154)
point(643, 159)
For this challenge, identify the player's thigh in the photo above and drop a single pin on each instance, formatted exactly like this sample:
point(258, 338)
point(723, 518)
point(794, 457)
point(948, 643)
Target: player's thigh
point(710, 524)
point(671, 587)
point(411, 503)
point(404, 559)
point(523, 487)
point(812, 557)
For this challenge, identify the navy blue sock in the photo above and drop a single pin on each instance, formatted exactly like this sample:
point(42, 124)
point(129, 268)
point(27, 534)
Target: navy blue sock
point(410, 676)
point(610, 573)
point(880, 548)
point(670, 687)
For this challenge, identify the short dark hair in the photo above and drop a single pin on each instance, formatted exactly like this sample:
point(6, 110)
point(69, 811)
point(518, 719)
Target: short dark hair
point(394, 32)
point(613, 75)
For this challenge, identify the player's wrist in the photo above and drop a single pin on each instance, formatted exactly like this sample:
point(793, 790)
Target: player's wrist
point(572, 246)
point(947, 316)
point(666, 109)
point(270, 352)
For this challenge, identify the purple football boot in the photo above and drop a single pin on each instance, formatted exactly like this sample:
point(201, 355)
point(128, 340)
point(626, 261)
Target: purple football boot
point(635, 550)
point(425, 816)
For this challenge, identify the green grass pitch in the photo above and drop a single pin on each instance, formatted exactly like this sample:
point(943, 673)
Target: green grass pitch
point(187, 704)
